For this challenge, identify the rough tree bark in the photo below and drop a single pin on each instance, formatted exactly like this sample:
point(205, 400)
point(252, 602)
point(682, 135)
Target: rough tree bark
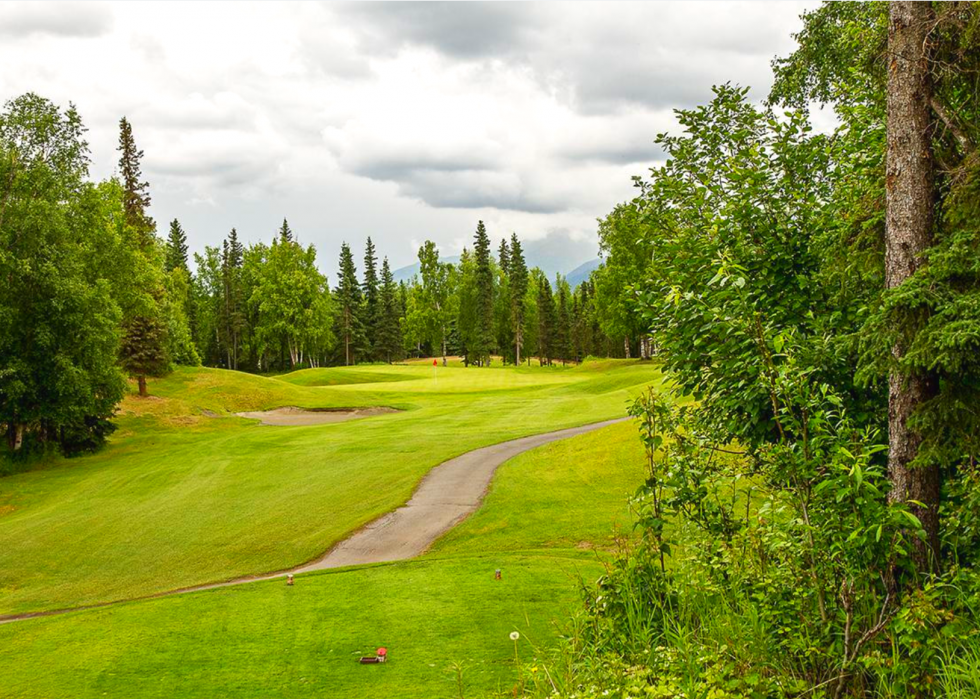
point(909, 222)
point(141, 380)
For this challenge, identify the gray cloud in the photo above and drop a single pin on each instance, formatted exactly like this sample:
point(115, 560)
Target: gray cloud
point(461, 30)
point(605, 54)
point(403, 121)
point(63, 19)
point(478, 189)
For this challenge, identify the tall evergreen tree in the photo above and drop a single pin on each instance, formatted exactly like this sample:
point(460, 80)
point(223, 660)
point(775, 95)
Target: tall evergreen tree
point(143, 348)
point(179, 299)
point(547, 319)
point(909, 233)
point(503, 255)
point(389, 335)
point(483, 339)
point(503, 327)
point(176, 248)
point(563, 325)
point(372, 304)
point(285, 232)
point(517, 276)
point(348, 307)
point(136, 192)
point(233, 308)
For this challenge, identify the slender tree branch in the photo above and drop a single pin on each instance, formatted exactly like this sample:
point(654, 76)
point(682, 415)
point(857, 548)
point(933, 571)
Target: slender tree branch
point(951, 123)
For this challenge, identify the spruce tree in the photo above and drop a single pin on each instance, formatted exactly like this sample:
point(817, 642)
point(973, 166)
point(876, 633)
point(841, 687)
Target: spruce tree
point(503, 327)
point(179, 308)
point(517, 275)
point(563, 329)
point(372, 306)
point(547, 320)
point(285, 233)
point(466, 318)
point(390, 335)
point(233, 307)
point(136, 192)
point(176, 248)
point(503, 255)
point(348, 300)
point(143, 348)
point(483, 341)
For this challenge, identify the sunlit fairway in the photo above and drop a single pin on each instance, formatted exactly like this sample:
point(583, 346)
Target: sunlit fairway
point(182, 498)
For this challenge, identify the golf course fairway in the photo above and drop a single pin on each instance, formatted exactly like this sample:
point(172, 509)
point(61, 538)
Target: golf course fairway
point(189, 494)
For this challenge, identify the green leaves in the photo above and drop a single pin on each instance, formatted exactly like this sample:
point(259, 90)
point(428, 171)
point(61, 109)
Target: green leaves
point(59, 313)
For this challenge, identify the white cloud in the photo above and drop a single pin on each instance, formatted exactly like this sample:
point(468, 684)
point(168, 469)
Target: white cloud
point(401, 121)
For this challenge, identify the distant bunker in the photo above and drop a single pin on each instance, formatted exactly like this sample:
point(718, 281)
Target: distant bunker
point(292, 417)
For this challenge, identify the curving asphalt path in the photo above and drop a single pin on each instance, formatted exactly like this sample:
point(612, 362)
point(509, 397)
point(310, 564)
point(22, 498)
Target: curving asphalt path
point(446, 496)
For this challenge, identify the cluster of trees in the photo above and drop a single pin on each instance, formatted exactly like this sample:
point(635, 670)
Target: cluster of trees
point(84, 296)
point(267, 307)
point(810, 525)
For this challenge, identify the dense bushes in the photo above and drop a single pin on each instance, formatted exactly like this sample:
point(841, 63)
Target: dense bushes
point(773, 555)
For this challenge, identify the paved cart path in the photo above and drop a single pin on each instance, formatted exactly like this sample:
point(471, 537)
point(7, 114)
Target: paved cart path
point(446, 496)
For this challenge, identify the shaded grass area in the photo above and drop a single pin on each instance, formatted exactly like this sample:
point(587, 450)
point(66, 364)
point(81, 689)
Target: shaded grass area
point(180, 498)
point(266, 639)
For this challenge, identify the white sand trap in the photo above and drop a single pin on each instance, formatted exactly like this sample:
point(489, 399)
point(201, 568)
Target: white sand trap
point(303, 416)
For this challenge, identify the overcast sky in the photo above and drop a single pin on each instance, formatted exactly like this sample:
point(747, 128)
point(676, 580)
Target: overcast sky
point(401, 121)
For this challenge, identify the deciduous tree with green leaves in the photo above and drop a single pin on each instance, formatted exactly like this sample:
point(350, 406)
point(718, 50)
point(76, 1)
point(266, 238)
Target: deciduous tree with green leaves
point(59, 320)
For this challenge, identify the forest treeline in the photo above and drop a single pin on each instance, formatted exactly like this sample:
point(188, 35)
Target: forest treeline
point(93, 293)
point(267, 307)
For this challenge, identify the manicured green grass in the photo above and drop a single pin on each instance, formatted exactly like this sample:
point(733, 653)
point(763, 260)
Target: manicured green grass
point(180, 498)
point(268, 640)
point(570, 494)
point(543, 510)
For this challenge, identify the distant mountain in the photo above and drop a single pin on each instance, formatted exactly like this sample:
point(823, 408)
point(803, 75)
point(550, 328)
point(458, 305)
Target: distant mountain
point(555, 253)
point(582, 272)
point(404, 274)
point(574, 278)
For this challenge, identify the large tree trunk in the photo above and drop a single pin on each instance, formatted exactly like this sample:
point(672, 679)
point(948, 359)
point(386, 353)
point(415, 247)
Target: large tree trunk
point(909, 228)
point(141, 380)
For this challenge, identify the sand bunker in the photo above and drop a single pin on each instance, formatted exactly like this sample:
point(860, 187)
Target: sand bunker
point(306, 416)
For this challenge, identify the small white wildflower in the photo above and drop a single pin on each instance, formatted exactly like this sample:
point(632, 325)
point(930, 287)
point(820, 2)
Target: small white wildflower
point(514, 635)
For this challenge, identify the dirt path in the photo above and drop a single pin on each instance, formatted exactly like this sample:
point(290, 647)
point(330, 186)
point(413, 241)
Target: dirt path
point(446, 496)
